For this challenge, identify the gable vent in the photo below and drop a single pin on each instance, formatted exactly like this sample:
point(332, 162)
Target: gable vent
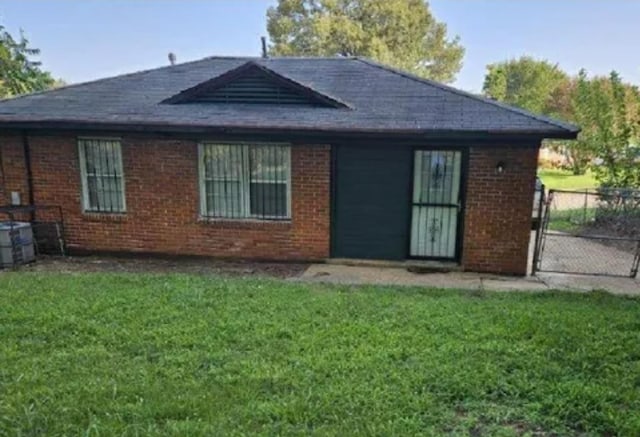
point(252, 83)
point(253, 87)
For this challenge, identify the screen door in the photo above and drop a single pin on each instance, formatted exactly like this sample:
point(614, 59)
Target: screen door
point(435, 203)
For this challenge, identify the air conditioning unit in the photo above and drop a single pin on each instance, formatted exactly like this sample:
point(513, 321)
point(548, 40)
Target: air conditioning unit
point(16, 243)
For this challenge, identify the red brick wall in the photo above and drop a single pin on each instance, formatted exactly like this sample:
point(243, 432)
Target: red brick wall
point(162, 204)
point(162, 196)
point(497, 219)
point(13, 173)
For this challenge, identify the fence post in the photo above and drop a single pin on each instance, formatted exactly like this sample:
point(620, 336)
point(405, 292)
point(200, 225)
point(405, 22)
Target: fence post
point(584, 212)
point(636, 262)
point(536, 245)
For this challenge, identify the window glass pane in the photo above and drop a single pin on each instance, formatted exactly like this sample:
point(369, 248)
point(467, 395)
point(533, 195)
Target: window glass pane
point(269, 181)
point(437, 177)
point(268, 200)
point(269, 163)
point(112, 165)
point(224, 199)
point(104, 193)
point(89, 157)
point(110, 193)
point(223, 162)
point(92, 191)
point(434, 177)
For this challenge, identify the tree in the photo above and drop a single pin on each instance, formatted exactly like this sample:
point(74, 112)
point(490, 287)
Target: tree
point(19, 74)
point(525, 82)
point(608, 112)
point(541, 87)
point(402, 33)
point(563, 105)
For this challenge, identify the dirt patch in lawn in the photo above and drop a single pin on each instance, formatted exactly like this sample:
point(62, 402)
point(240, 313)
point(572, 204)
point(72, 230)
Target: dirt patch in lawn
point(146, 264)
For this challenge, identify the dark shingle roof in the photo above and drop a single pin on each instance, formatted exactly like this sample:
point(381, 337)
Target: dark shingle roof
point(378, 99)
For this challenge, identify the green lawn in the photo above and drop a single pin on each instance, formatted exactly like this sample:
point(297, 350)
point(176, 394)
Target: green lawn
point(565, 180)
point(571, 220)
point(131, 354)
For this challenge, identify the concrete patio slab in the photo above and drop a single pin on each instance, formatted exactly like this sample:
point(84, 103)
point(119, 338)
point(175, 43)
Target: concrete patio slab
point(514, 284)
point(367, 275)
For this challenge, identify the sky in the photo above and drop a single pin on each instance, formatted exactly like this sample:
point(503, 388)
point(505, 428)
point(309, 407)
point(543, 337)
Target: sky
point(83, 40)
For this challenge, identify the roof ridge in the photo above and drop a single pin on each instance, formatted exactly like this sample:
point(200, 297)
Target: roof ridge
point(102, 79)
point(520, 111)
point(311, 58)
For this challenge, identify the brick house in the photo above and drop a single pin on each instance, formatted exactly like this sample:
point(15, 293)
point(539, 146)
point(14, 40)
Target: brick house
point(279, 159)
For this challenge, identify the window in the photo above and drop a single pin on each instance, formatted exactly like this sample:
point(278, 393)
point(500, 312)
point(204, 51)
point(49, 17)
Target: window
point(245, 181)
point(102, 176)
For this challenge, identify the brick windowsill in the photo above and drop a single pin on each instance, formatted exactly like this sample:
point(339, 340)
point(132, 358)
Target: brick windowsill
point(247, 223)
point(104, 216)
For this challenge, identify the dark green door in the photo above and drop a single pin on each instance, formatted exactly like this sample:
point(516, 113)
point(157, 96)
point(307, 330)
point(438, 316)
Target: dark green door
point(371, 201)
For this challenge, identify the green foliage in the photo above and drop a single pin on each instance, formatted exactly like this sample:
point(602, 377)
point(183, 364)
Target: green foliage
point(540, 87)
point(19, 74)
point(607, 110)
point(525, 82)
point(402, 33)
point(127, 354)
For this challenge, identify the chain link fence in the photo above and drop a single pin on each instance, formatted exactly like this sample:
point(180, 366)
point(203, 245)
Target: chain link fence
point(591, 232)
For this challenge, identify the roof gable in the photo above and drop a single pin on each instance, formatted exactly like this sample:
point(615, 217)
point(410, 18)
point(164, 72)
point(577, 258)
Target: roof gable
point(252, 83)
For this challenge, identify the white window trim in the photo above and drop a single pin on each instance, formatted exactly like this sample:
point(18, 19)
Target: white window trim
point(245, 182)
point(83, 176)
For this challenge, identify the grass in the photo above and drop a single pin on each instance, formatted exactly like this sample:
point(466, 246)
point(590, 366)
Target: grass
point(571, 220)
point(565, 180)
point(134, 354)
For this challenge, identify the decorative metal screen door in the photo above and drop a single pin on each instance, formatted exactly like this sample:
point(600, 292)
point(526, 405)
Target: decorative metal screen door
point(435, 203)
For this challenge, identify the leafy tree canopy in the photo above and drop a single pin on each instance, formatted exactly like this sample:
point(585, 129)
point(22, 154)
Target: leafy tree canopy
point(19, 73)
point(608, 111)
point(606, 108)
point(526, 82)
point(402, 33)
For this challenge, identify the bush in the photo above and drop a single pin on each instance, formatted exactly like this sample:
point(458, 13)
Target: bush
point(619, 211)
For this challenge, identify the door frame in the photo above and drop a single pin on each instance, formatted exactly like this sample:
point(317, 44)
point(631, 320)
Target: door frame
point(462, 197)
